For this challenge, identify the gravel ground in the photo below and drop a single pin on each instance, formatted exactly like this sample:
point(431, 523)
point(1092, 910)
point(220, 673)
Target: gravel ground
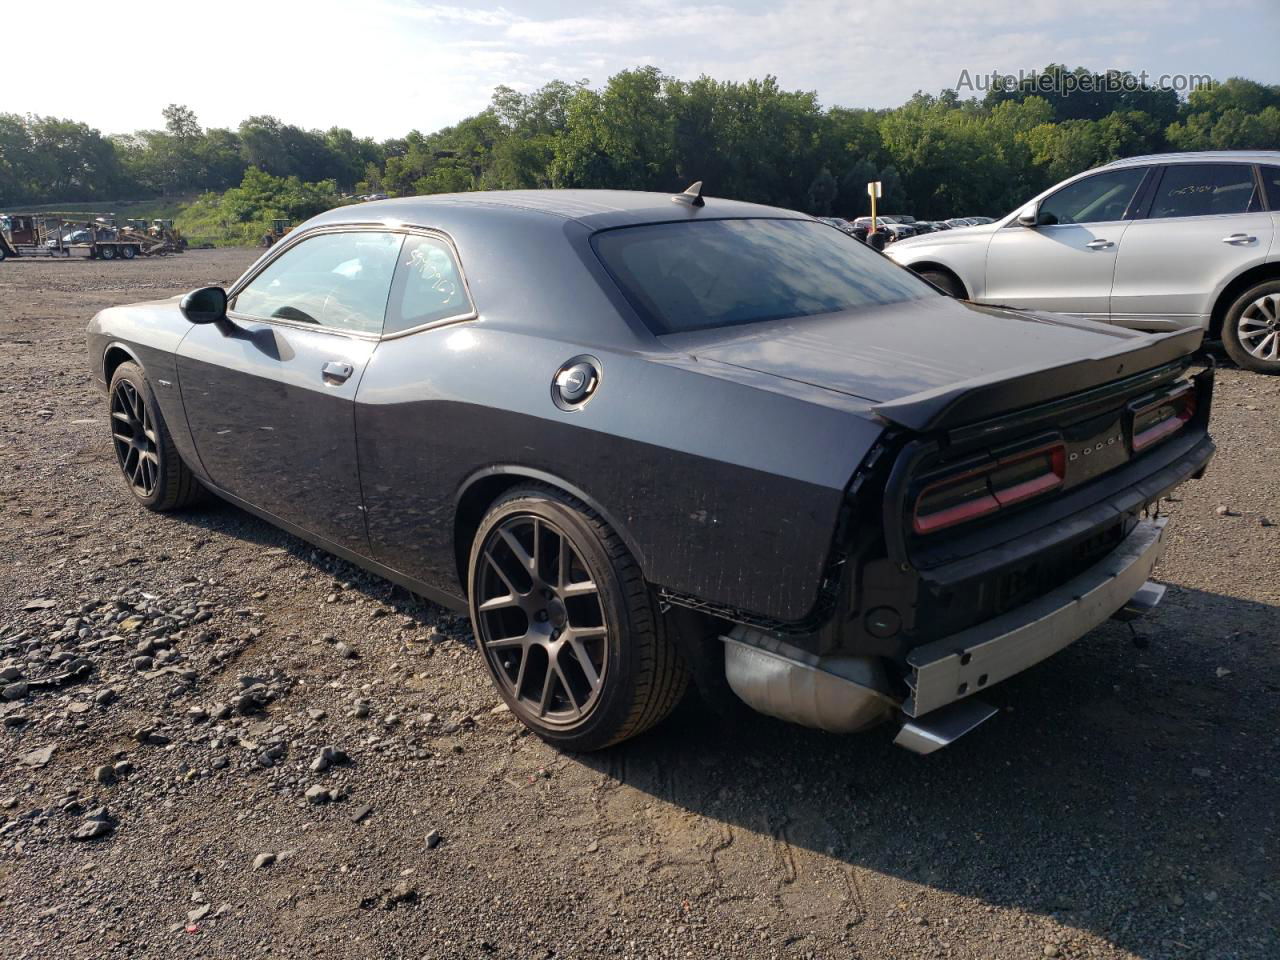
point(219, 742)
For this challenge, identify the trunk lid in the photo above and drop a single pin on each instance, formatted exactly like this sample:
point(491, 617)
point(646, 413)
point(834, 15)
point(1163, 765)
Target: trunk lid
point(939, 362)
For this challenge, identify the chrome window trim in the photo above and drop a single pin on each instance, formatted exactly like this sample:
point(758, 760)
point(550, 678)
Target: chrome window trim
point(404, 230)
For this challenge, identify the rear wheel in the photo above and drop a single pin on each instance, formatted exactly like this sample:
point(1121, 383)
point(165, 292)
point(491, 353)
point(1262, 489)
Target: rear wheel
point(945, 282)
point(107, 252)
point(1251, 328)
point(566, 625)
point(128, 252)
point(156, 475)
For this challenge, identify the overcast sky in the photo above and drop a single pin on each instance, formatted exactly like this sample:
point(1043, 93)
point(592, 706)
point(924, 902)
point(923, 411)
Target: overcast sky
point(383, 67)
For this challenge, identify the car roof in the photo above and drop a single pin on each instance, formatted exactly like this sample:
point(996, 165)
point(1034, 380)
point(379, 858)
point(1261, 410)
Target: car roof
point(597, 209)
point(1238, 156)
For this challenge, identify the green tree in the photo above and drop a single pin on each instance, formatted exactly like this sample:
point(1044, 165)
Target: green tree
point(822, 193)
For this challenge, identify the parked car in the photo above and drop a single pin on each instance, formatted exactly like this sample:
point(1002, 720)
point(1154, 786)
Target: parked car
point(841, 224)
point(639, 440)
point(891, 226)
point(1154, 243)
point(73, 236)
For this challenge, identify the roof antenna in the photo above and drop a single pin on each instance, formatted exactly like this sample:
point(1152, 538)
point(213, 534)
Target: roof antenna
point(692, 196)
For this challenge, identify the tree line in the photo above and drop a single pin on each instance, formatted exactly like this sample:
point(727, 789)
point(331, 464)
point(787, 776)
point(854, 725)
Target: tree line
point(937, 155)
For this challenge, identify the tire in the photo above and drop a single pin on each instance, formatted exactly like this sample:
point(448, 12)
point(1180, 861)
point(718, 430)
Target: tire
point(1251, 328)
point(128, 252)
point(3, 253)
point(148, 460)
point(945, 282)
point(107, 252)
point(567, 629)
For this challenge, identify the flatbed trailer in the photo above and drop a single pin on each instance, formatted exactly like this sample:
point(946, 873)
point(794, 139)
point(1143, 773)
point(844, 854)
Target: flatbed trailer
point(32, 235)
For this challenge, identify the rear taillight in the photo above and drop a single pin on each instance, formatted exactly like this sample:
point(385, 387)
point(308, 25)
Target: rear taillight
point(1158, 419)
point(976, 491)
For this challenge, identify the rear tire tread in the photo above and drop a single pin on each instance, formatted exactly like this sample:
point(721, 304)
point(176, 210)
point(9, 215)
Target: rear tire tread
point(663, 675)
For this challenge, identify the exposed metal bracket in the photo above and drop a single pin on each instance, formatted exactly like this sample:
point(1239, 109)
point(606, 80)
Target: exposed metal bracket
point(943, 726)
point(1141, 603)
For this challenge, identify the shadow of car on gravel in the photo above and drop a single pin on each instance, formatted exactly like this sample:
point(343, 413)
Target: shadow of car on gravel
point(1129, 792)
point(1125, 791)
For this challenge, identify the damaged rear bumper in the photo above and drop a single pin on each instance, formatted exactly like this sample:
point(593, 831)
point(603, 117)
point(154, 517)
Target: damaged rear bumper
point(843, 694)
point(960, 665)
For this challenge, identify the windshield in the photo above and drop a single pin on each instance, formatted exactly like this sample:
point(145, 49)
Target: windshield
point(697, 275)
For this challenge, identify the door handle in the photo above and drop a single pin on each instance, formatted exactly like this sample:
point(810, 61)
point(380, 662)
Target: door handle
point(1239, 238)
point(335, 371)
point(1100, 244)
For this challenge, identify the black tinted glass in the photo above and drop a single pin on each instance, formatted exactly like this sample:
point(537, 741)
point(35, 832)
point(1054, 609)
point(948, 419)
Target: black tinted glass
point(720, 273)
point(1204, 189)
point(1097, 199)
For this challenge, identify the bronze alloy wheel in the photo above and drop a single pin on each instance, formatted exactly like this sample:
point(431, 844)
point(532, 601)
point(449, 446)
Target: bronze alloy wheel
point(540, 621)
point(134, 435)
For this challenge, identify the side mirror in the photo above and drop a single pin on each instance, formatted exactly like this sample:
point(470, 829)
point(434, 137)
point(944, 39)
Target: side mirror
point(206, 305)
point(1029, 216)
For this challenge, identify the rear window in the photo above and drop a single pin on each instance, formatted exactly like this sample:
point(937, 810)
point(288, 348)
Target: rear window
point(697, 275)
point(1205, 189)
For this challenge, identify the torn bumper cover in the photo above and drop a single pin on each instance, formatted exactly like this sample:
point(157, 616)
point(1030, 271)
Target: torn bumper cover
point(960, 665)
point(844, 694)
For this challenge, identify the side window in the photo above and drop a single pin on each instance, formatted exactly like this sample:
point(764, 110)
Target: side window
point(337, 280)
point(1096, 199)
point(427, 286)
point(1271, 180)
point(1205, 189)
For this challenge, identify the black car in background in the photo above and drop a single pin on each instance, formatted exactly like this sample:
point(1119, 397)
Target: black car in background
point(643, 438)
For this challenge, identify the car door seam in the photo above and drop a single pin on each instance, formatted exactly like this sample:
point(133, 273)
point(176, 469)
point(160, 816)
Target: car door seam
point(355, 442)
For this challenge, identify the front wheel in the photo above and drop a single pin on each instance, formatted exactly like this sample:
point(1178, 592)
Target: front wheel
point(945, 282)
point(566, 624)
point(155, 473)
point(107, 253)
point(1251, 328)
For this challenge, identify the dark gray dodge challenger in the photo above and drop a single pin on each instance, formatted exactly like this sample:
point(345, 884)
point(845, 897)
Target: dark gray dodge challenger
point(646, 439)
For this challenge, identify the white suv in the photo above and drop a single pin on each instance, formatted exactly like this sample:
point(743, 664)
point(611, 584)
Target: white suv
point(1157, 242)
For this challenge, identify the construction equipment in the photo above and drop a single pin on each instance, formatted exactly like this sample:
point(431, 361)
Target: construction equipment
point(279, 228)
point(28, 235)
point(163, 229)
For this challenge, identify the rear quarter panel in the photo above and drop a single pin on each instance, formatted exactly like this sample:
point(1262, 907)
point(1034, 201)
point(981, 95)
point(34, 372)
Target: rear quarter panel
point(724, 491)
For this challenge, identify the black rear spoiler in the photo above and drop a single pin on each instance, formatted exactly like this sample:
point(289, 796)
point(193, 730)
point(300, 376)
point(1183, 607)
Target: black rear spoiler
point(943, 408)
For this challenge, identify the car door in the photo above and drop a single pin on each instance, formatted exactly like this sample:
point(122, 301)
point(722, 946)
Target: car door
point(1206, 223)
point(270, 392)
point(410, 442)
point(1066, 262)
